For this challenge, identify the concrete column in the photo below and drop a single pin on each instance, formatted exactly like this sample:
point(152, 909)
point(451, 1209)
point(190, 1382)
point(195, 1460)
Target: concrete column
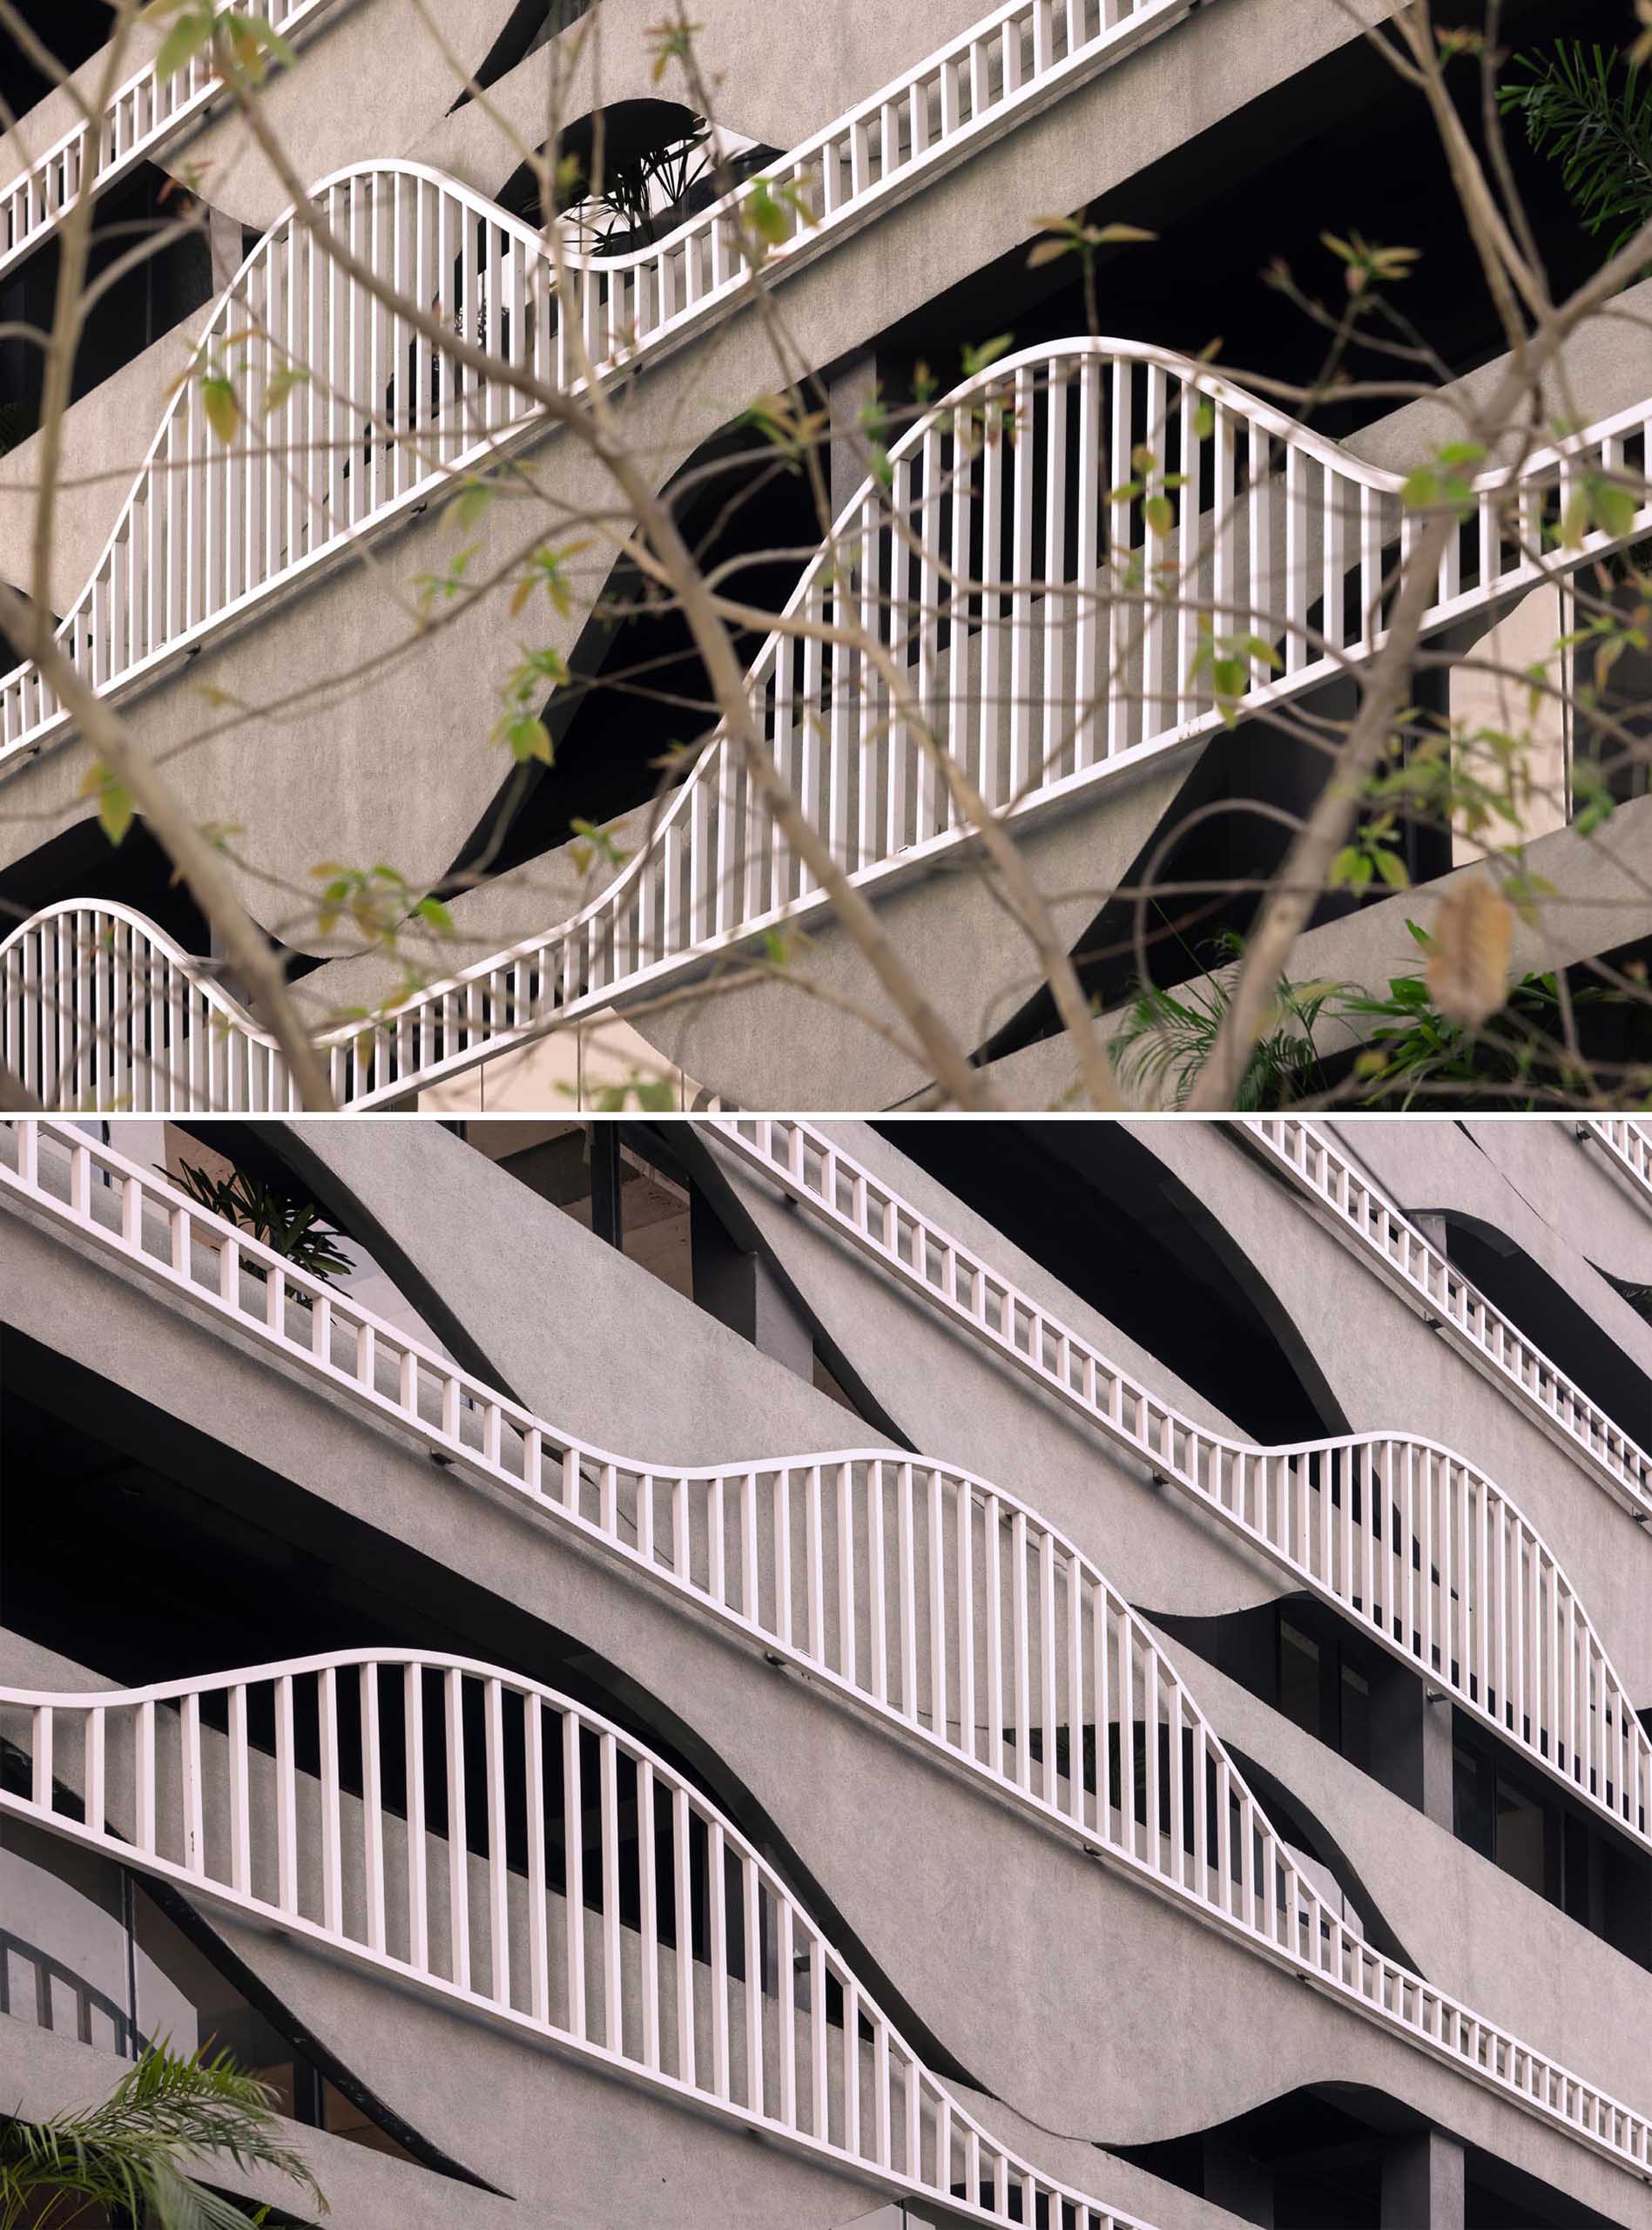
point(1422, 2182)
point(846, 396)
point(1410, 1741)
point(1234, 2181)
point(740, 1291)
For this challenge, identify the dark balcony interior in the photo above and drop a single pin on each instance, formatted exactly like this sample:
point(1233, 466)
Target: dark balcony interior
point(81, 863)
point(1306, 1660)
point(70, 31)
point(144, 303)
point(1551, 1317)
point(638, 693)
point(96, 1952)
point(1102, 1213)
point(1342, 147)
point(1338, 2156)
point(142, 1548)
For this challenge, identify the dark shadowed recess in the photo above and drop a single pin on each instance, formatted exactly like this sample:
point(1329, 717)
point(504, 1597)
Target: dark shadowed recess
point(1550, 1316)
point(1102, 1213)
point(154, 1551)
point(1313, 2160)
point(638, 691)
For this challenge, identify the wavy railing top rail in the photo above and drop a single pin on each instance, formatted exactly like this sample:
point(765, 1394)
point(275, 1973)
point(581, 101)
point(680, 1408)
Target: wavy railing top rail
point(1023, 56)
point(229, 1838)
point(1477, 1586)
point(1628, 1147)
point(880, 1574)
point(147, 113)
point(1457, 1307)
point(1007, 688)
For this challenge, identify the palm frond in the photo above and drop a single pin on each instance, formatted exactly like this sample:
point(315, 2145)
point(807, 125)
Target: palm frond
point(1590, 110)
point(135, 2150)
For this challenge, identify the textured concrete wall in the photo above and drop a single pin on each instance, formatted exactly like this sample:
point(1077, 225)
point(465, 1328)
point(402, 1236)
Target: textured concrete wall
point(1389, 1371)
point(890, 1844)
point(337, 780)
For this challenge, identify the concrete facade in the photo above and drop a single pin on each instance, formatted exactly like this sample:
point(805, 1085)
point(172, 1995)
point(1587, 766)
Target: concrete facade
point(1094, 2017)
point(328, 720)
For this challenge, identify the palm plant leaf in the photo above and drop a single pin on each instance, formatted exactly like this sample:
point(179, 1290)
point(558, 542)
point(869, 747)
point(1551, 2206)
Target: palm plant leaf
point(134, 2151)
point(1590, 110)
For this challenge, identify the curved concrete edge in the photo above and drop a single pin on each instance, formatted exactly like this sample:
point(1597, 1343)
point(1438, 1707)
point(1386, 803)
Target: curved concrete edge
point(353, 779)
point(1385, 1369)
point(852, 1818)
point(929, 1377)
point(542, 1295)
point(1605, 885)
point(1557, 1197)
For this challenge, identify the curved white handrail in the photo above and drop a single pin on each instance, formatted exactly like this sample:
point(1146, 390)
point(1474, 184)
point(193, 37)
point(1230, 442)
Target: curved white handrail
point(95, 998)
point(1456, 1308)
point(211, 529)
point(148, 112)
point(1629, 1146)
point(884, 1577)
point(720, 1992)
point(1040, 670)
point(1407, 1539)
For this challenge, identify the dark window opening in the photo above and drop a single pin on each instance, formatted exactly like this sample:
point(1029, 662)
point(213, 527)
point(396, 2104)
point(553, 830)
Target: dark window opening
point(71, 32)
point(1317, 2158)
point(625, 1183)
point(1532, 1831)
point(81, 863)
point(1321, 1688)
point(89, 1950)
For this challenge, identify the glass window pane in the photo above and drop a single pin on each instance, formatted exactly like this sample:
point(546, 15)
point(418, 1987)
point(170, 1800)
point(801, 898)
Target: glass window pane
point(1299, 1677)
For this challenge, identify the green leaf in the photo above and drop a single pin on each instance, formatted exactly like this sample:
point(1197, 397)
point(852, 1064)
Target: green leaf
point(181, 44)
point(281, 384)
point(976, 358)
point(768, 218)
point(528, 738)
point(1159, 514)
point(222, 411)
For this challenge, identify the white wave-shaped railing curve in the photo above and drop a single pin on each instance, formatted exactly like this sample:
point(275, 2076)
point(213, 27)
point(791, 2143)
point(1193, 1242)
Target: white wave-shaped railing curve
point(1032, 676)
point(148, 112)
point(431, 1818)
point(1385, 1235)
point(1409, 1540)
point(1628, 1147)
point(907, 1589)
point(366, 421)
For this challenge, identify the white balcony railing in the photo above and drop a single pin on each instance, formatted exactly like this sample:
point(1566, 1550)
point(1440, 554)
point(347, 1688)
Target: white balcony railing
point(376, 421)
point(1628, 1145)
point(461, 1857)
point(1034, 684)
point(1459, 1309)
point(909, 1589)
point(148, 114)
point(1411, 1542)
